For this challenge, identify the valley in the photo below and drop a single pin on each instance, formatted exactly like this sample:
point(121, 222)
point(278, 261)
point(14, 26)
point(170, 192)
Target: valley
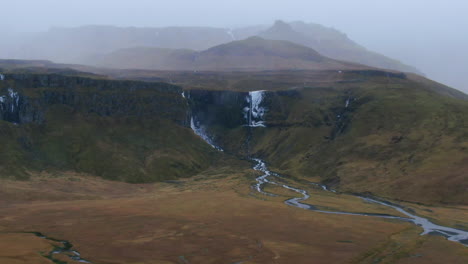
point(233, 132)
point(141, 166)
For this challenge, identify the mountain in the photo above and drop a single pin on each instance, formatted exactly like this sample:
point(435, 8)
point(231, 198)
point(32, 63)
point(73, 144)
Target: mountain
point(85, 45)
point(250, 54)
point(331, 43)
point(75, 45)
point(147, 58)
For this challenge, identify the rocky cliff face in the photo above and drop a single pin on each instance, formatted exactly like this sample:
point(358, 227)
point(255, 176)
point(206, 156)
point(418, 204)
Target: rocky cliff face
point(27, 97)
point(122, 130)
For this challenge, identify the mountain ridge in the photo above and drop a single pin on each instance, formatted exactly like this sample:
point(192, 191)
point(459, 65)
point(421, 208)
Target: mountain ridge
point(254, 53)
point(333, 44)
point(81, 45)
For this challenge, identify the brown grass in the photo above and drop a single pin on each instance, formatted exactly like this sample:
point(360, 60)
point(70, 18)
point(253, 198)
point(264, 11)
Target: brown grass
point(211, 218)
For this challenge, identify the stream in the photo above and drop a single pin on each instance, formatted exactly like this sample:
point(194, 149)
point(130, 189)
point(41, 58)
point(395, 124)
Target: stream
point(64, 247)
point(254, 113)
point(428, 227)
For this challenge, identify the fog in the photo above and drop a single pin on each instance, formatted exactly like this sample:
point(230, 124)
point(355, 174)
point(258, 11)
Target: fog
point(428, 34)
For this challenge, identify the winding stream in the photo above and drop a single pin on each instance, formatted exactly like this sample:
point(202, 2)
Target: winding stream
point(65, 248)
point(254, 113)
point(451, 234)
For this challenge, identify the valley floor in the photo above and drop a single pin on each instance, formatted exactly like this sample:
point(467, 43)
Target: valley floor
point(215, 217)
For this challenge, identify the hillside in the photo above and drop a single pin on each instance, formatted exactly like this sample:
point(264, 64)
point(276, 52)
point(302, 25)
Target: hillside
point(135, 165)
point(332, 43)
point(252, 54)
point(375, 132)
point(147, 58)
point(348, 129)
point(119, 130)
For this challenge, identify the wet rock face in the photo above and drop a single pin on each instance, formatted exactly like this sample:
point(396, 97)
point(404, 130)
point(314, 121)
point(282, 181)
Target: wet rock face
point(26, 98)
point(17, 108)
point(233, 109)
point(230, 109)
point(10, 105)
point(222, 108)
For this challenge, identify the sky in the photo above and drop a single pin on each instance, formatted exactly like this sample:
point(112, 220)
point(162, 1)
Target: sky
point(429, 34)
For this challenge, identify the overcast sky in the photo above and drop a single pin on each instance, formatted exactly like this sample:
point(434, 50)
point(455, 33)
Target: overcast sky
point(429, 34)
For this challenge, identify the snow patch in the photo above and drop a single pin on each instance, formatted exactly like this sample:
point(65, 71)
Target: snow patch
point(2, 77)
point(231, 34)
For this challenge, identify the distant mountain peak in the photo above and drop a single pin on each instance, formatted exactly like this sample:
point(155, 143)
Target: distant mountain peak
point(280, 26)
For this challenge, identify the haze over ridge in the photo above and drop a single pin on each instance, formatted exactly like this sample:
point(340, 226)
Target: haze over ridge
point(424, 34)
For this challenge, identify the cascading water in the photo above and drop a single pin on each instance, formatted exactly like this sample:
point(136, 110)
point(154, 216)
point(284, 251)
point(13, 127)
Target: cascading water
point(254, 112)
point(200, 130)
point(15, 99)
point(9, 102)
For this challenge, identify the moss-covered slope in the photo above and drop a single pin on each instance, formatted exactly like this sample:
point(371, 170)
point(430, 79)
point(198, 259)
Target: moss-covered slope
point(397, 139)
point(367, 132)
point(120, 130)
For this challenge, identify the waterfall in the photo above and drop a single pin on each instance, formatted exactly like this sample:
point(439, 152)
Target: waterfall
point(15, 98)
point(253, 113)
point(10, 102)
point(201, 132)
point(199, 129)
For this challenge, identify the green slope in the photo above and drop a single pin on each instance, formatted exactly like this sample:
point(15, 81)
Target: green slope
point(398, 138)
point(402, 137)
point(119, 130)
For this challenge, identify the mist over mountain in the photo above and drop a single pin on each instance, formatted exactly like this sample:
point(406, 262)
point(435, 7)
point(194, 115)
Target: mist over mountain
point(91, 43)
point(332, 43)
point(151, 131)
point(252, 54)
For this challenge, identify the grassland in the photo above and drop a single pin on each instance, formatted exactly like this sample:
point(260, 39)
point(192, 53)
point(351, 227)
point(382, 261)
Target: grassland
point(213, 217)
